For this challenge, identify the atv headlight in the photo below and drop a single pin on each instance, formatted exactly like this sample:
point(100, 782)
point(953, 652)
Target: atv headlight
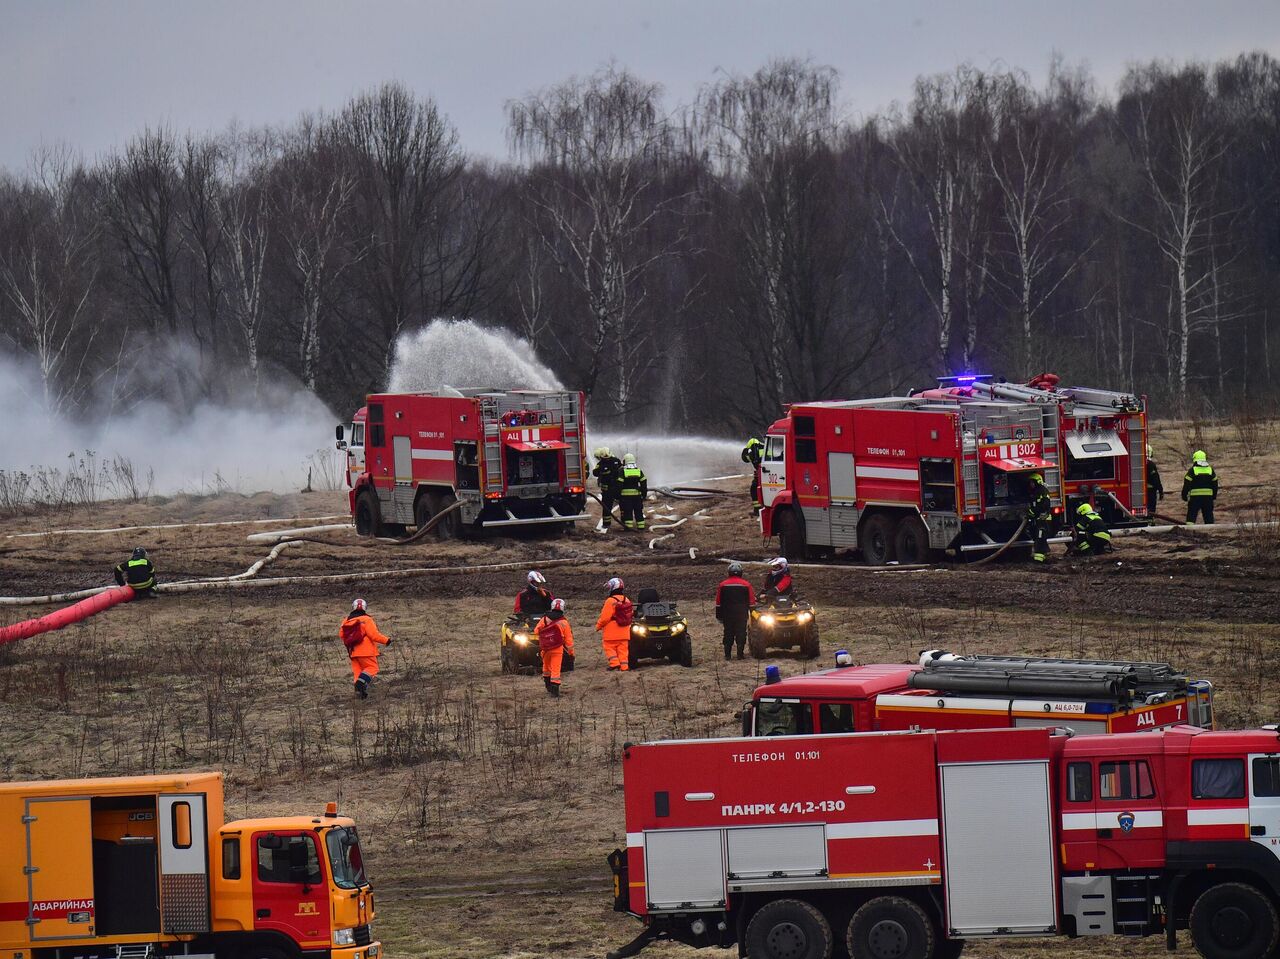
point(344, 937)
point(767, 619)
point(639, 631)
point(522, 638)
point(804, 617)
point(677, 628)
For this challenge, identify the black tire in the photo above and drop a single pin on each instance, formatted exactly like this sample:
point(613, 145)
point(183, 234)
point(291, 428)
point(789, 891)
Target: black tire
point(891, 927)
point(756, 643)
point(260, 952)
point(422, 511)
point(686, 651)
point(790, 537)
point(911, 541)
point(1234, 920)
point(811, 647)
point(788, 929)
point(368, 515)
point(508, 664)
point(633, 661)
point(451, 526)
point(876, 539)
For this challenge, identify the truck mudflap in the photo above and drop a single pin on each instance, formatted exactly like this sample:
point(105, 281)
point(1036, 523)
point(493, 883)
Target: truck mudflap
point(621, 880)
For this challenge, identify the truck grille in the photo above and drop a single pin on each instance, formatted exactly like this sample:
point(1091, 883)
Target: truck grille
point(362, 935)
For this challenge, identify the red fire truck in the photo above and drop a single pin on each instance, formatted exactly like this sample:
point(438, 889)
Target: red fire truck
point(901, 477)
point(908, 844)
point(510, 457)
point(981, 692)
point(1102, 433)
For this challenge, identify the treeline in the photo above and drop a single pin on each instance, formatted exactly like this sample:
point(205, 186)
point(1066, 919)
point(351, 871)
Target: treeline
point(692, 268)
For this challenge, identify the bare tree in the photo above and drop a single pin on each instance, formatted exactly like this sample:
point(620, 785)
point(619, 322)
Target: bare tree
point(201, 232)
point(48, 273)
point(244, 220)
point(599, 147)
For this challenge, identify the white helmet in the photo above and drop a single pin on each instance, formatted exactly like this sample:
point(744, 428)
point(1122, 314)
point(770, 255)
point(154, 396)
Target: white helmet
point(535, 578)
point(601, 452)
point(614, 585)
point(778, 564)
point(629, 459)
point(358, 606)
point(557, 605)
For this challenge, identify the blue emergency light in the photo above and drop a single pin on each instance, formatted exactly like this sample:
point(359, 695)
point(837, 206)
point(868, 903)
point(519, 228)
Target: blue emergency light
point(772, 674)
point(843, 658)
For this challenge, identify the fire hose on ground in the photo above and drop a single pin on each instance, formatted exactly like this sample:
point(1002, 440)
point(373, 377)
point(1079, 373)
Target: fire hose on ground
point(103, 599)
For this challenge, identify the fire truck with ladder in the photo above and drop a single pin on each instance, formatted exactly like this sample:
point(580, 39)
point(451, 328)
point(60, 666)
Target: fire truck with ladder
point(902, 478)
point(508, 458)
point(907, 845)
point(979, 692)
point(142, 867)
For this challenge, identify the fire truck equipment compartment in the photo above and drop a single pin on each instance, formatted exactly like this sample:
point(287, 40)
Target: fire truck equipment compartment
point(1088, 446)
point(537, 446)
point(999, 848)
point(684, 868)
point(1021, 464)
point(775, 852)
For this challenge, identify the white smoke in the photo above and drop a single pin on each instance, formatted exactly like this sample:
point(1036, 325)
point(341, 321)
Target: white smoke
point(674, 460)
point(266, 443)
point(460, 353)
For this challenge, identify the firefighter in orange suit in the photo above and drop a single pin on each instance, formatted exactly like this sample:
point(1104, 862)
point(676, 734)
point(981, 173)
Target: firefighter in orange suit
point(615, 625)
point(555, 639)
point(361, 637)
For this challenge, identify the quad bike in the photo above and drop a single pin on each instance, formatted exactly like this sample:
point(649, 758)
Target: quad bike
point(520, 652)
point(783, 623)
point(659, 631)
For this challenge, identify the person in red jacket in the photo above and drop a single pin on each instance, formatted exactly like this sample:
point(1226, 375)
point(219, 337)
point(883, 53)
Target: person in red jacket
point(360, 635)
point(555, 639)
point(535, 598)
point(779, 582)
point(734, 599)
point(615, 625)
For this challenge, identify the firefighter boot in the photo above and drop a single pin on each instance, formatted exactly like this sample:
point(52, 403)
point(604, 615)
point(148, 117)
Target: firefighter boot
point(553, 689)
point(362, 685)
point(546, 682)
point(740, 652)
point(728, 653)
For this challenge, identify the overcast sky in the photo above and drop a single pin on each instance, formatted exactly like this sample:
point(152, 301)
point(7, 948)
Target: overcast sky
point(94, 73)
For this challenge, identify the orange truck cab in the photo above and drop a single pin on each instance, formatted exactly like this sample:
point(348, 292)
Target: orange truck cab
point(144, 866)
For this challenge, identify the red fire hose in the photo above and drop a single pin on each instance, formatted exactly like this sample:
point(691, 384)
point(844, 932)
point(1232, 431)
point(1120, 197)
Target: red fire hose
point(67, 615)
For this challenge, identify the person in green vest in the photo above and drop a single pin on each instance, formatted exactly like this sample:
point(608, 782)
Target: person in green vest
point(1200, 488)
point(632, 492)
point(752, 454)
point(137, 572)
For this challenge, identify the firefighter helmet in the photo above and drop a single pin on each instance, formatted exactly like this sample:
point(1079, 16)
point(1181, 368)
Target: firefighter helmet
point(1199, 457)
point(629, 459)
point(614, 585)
point(359, 606)
point(735, 569)
point(601, 452)
point(1148, 451)
point(557, 606)
point(1036, 478)
point(139, 553)
point(535, 578)
point(1084, 509)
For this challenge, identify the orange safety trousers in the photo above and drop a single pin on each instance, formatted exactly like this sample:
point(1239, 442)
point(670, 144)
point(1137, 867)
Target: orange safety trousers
point(363, 664)
point(617, 652)
point(551, 661)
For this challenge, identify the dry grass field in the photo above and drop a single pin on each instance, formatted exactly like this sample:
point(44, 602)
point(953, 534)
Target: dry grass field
point(487, 808)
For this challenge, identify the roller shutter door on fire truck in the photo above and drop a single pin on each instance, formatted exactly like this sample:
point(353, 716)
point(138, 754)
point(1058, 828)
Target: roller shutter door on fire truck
point(998, 847)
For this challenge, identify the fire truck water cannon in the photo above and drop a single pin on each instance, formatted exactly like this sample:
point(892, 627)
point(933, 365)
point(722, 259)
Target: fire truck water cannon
point(908, 844)
point(467, 460)
point(946, 691)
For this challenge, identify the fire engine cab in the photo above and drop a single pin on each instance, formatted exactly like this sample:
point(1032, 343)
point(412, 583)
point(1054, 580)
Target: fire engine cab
point(506, 458)
point(901, 477)
point(979, 692)
point(909, 844)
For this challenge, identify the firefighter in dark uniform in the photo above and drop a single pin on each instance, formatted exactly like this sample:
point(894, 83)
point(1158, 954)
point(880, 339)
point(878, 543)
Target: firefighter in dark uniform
point(1155, 488)
point(752, 453)
point(633, 490)
point(734, 599)
point(1092, 535)
point(137, 572)
point(1039, 518)
point(1200, 488)
point(608, 474)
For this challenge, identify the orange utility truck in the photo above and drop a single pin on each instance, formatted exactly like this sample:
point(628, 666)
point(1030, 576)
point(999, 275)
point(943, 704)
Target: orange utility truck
point(144, 866)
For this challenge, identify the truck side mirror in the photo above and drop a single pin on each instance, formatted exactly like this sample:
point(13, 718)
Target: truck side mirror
point(748, 719)
point(271, 841)
point(338, 433)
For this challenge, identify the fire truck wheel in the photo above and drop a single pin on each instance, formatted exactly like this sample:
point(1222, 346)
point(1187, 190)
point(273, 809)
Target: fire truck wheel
point(422, 511)
point(368, 518)
point(911, 541)
point(790, 538)
point(890, 927)
point(948, 949)
point(876, 539)
point(788, 929)
point(451, 526)
point(1234, 920)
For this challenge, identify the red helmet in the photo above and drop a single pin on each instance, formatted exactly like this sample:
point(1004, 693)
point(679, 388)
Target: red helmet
point(557, 606)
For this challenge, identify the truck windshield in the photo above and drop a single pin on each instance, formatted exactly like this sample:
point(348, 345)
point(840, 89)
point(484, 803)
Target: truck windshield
point(345, 858)
point(776, 717)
